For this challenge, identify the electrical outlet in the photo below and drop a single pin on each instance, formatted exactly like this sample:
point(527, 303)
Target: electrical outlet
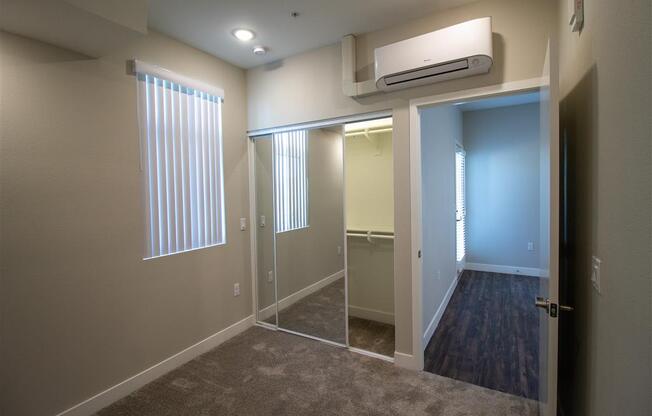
point(243, 224)
point(530, 246)
point(270, 276)
point(339, 250)
point(596, 263)
point(236, 289)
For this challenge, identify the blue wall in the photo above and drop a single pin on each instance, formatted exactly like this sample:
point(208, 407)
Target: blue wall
point(502, 185)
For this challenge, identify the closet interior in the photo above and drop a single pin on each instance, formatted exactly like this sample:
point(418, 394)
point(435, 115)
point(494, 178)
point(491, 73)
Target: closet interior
point(324, 234)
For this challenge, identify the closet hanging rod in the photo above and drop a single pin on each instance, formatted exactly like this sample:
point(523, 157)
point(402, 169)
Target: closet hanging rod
point(367, 132)
point(370, 236)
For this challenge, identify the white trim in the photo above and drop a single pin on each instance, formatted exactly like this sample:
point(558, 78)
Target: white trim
point(133, 383)
point(140, 67)
point(417, 241)
point(371, 314)
point(407, 361)
point(298, 295)
point(321, 123)
point(415, 104)
point(497, 268)
point(473, 94)
point(371, 354)
point(253, 224)
point(434, 322)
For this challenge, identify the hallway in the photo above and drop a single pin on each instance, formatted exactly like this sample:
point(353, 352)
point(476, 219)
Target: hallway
point(489, 334)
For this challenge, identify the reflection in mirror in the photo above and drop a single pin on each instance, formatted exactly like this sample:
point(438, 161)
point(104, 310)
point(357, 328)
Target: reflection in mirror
point(308, 178)
point(266, 283)
point(370, 235)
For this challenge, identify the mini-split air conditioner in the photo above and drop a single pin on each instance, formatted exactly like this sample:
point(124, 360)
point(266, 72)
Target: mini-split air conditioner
point(457, 51)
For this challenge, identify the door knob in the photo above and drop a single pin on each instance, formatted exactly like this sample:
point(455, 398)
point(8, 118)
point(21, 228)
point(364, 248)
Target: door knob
point(551, 307)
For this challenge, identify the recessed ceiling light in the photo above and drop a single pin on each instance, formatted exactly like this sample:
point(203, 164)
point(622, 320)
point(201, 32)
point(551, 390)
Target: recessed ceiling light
point(260, 50)
point(243, 34)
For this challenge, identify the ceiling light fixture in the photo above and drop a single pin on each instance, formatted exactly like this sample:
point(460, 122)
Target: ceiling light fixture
point(259, 50)
point(244, 34)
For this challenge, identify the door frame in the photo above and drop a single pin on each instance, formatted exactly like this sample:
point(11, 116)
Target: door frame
point(415, 105)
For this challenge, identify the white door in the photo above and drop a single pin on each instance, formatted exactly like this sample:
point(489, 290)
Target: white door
point(549, 230)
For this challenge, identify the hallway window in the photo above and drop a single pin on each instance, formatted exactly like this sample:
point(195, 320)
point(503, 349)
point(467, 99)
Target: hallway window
point(181, 134)
point(291, 180)
point(460, 204)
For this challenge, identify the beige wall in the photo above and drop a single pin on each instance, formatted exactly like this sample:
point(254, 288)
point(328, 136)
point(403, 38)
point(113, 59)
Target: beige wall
point(307, 87)
point(81, 311)
point(605, 77)
point(370, 182)
point(370, 206)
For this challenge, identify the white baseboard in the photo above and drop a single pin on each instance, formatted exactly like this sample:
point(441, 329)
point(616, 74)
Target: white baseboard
point(288, 301)
point(133, 383)
point(371, 314)
point(434, 322)
point(497, 268)
point(406, 361)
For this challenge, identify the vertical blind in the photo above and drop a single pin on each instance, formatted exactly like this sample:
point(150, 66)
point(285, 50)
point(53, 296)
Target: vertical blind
point(460, 204)
point(291, 180)
point(181, 134)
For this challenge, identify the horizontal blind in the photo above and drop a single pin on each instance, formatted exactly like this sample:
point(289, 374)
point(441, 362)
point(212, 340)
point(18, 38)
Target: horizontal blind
point(460, 204)
point(291, 180)
point(181, 133)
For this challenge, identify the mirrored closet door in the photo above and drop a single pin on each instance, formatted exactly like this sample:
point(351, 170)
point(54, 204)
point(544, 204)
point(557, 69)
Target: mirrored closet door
point(324, 237)
point(310, 232)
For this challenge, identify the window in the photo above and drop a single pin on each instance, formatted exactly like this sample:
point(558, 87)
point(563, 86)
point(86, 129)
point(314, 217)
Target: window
point(460, 204)
point(181, 136)
point(291, 180)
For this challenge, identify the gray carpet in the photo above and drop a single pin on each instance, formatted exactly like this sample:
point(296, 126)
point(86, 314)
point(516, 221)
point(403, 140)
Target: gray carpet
point(371, 336)
point(264, 372)
point(320, 314)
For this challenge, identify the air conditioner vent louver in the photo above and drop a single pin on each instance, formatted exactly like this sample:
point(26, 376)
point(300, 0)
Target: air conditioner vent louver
point(454, 52)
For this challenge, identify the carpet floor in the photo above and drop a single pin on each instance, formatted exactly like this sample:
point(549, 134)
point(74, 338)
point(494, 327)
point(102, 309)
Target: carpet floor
point(489, 334)
point(264, 372)
point(371, 336)
point(321, 314)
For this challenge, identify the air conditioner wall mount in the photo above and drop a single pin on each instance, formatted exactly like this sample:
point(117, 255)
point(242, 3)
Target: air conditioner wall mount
point(457, 51)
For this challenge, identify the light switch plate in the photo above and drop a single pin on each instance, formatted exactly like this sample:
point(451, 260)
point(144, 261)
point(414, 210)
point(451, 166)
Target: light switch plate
point(595, 273)
point(270, 276)
point(236, 289)
point(530, 246)
point(243, 224)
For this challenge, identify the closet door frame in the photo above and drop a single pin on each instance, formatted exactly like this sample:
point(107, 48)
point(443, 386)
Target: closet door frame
point(253, 233)
point(252, 136)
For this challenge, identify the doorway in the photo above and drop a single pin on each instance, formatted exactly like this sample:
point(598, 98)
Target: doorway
point(481, 247)
point(422, 313)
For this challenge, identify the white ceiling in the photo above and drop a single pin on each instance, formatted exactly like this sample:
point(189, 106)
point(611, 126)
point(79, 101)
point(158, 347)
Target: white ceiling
point(501, 101)
point(207, 24)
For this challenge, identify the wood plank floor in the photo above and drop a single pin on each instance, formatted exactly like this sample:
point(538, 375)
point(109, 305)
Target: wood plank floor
point(489, 334)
